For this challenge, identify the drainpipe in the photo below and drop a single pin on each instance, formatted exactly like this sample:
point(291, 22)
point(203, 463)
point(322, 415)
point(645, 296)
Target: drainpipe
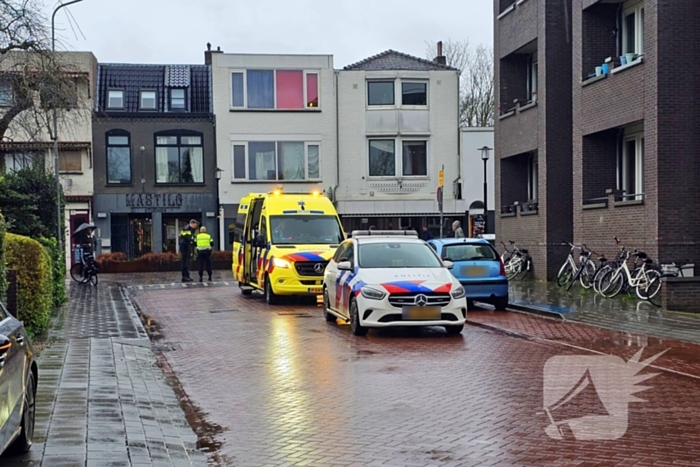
point(337, 142)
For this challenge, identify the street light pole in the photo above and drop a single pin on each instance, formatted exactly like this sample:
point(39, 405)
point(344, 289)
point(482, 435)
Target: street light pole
point(485, 157)
point(55, 131)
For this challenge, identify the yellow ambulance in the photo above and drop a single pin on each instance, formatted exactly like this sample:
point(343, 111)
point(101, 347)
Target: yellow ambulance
point(282, 243)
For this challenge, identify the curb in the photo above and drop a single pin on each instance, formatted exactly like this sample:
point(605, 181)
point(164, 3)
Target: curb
point(535, 309)
point(500, 330)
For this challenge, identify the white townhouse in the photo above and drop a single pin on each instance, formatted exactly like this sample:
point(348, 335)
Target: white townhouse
point(276, 126)
point(399, 126)
point(30, 143)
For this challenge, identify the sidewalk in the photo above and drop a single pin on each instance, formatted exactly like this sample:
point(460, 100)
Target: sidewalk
point(622, 314)
point(102, 400)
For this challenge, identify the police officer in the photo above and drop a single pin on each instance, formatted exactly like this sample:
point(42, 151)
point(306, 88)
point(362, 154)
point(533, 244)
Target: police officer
point(204, 244)
point(187, 236)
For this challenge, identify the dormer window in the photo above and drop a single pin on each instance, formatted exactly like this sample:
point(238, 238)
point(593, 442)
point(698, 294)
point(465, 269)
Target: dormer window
point(178, 100)
point(147, 100)
point(115, 99)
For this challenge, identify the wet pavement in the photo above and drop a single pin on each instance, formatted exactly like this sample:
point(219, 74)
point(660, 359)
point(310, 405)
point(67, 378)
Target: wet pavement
point(102, 400)
point(280, 386)
point(625, 313)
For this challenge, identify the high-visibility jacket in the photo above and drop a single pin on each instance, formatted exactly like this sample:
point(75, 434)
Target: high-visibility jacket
point(204, 241)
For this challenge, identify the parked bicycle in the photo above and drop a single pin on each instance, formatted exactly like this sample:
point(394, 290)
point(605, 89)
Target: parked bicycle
point(571, 271)
point(639, 278)
point(652, 292)
point(518, 263)
point(86, 270)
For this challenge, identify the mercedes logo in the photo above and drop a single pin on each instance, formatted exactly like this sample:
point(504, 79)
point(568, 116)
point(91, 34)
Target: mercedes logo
point(421, 300)
point(319, 268)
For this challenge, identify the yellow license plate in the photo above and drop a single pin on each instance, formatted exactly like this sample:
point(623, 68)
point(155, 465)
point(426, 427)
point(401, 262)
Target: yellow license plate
point(474, 271)
point(316, 290)
point(421, 313)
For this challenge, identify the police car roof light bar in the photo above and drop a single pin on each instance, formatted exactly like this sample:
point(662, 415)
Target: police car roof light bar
point(384, 233)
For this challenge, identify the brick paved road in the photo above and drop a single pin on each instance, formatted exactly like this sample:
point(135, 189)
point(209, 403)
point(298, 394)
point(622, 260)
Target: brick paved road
point(287, 388)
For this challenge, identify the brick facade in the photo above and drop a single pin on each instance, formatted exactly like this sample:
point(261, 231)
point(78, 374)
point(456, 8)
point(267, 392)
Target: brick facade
point(542, 128)
point(579, 124)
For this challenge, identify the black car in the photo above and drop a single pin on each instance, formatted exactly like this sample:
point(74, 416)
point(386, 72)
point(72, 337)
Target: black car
point(18, 379)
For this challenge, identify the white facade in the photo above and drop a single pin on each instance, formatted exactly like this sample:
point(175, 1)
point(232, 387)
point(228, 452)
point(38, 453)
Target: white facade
point(364, 127)
point(271, 130)
point(27, 141)
point(472, 139)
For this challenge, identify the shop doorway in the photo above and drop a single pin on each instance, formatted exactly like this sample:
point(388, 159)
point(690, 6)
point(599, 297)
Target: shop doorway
point(132, 234)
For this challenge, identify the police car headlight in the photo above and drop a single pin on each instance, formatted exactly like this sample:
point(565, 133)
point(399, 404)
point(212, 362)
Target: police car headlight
point(281, 263)
point(372, 294)
point(459, 292)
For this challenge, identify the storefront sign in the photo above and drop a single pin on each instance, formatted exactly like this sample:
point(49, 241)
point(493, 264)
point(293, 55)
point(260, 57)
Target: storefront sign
point(155, 201)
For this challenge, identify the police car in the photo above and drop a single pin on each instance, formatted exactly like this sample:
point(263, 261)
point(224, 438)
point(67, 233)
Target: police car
point(391, 278)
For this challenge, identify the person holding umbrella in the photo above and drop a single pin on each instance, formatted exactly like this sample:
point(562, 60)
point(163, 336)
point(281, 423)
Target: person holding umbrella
point(88, 245)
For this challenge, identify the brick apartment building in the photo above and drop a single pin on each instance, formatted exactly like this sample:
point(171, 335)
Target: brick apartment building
point(533, 137)
point(614, 150)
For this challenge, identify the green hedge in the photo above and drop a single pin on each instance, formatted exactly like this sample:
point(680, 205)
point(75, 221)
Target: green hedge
point(3, 270)
point(35, 281)
point(58, 259)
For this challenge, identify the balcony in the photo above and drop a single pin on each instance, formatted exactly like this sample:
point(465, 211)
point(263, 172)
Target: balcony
point(517, 24)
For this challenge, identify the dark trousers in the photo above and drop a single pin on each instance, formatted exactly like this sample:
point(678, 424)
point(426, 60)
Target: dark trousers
point(204, 259)
point(185, 262)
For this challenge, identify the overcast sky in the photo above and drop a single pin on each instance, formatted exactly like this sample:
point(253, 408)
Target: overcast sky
point(176, 31)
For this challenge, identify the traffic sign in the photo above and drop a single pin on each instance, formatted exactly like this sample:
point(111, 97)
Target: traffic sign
point(441, 178)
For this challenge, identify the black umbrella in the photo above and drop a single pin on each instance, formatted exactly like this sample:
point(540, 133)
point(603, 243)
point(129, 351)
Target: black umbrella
point(83, 227)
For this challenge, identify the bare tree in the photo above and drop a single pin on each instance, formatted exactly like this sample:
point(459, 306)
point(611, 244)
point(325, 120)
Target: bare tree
point(476, 100)
point(33, 80)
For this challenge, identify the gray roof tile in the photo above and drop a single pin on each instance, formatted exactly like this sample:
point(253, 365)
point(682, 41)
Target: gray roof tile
point(393, 60)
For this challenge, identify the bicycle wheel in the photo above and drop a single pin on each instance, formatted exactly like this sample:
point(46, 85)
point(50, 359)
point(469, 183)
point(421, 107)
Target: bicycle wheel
point(653, 295)
point(611, 284)
point(513, 268)
point(565, 274)
point(523, 270)
point(643, 288)
point(587, 274)
point(76, 272)
point(93, 279)
point(600, 273)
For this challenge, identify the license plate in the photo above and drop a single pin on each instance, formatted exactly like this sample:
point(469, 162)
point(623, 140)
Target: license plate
point(474, 271)
point(316, 290)
point(421, 313)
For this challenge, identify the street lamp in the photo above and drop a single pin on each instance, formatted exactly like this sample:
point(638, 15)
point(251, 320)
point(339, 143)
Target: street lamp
point(55, 129)
point(220, 225)
point(485, 153)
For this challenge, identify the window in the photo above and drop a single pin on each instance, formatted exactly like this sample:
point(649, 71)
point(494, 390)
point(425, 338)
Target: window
point(532, 177)
point(467, 252)
point(380, 93)
point(179, 158)
point(384, 162)
point(118, 158)
point(633, 27)
point(115, 100)
point(276, 160)
point(340, 252)
point(16, 161)
point(274, 89)
point(177, 99)
point(147, 100)
point(415, 158)
point(397, 255)
point(414, 94)
point(5, 94)
point(532, 70)
point(305, 230)
point(70, 161)
point(630, 167)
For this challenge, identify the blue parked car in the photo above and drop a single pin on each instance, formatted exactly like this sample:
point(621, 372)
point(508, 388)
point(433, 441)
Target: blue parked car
point(478, 268)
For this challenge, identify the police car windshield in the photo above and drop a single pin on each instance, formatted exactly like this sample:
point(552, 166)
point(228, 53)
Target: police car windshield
point(305, 230)
point(397, 255)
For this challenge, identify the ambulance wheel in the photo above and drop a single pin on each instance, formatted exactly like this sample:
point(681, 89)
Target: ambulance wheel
point(270, 297)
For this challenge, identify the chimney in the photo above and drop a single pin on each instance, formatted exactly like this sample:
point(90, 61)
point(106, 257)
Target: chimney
point(209, 52)
point(440, 59)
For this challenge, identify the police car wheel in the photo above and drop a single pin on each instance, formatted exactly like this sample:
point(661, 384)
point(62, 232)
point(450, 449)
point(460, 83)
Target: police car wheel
point(270, 296)
point(355, 326)
point(330, 317)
